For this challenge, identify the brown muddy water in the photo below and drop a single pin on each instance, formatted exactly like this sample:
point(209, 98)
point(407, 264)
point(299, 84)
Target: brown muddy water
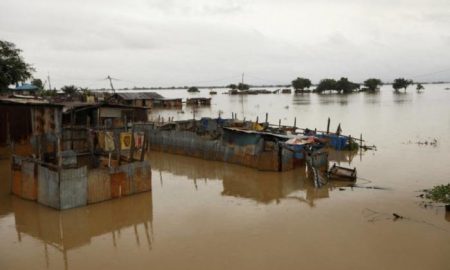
point(210, 215)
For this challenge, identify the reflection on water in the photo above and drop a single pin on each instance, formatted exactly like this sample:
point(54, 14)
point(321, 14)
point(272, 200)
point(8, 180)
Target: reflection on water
point(301, 99)
point(241, 182)
point(71, 229)
point(402, 97)
point(341, 99)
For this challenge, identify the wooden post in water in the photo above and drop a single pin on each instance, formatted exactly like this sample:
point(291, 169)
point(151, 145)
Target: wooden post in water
point(267, 117)
point(279, 123)
point(295, 122)
point(328, 126)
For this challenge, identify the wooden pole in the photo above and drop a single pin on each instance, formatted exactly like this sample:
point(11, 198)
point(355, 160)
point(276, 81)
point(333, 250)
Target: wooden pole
point(328, 126)
point(279, 123)
point(267, 117)
point(131, 158)
point(257, 119)
point(295, 122)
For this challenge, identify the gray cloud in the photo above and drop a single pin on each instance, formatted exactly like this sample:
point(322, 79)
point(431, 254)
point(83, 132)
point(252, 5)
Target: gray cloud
point(174, 42)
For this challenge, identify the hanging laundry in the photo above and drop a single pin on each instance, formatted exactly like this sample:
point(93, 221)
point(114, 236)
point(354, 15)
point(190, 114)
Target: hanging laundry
point(125, 140)
point(101, 139)
point(138, 139)
point(109, 141)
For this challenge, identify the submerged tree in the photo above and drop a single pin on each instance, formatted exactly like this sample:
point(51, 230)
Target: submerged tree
point(193, 89)
point(301, 84)
point(372, 84)
point(346, 86)
point(326, 85)
point(401, 83)
point(243, 86)
point(419, 87)
point(13, 68)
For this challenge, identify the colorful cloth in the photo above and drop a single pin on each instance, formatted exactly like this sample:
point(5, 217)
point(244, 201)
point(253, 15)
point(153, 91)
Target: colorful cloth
point(108, 141)
point(138, 139)
point(125, 140)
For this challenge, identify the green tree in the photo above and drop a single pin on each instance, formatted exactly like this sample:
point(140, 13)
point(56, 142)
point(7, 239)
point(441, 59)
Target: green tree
point(326, 85)
point(70, 90)
point(13, 68)
point(243, 86)
point(372, 84)
point(232, 86)
point(193, 89)
point(301, 83)
point(38, 83)
point(419, 87)
point(346, 86)
point(401, 83)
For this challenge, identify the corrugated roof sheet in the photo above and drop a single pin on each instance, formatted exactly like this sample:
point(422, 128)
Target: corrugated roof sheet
point(26, 87)
point(139, 95)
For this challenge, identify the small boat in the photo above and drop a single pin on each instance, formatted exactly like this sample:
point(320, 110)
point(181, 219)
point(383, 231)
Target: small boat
point(342, 173)
point(212, 92)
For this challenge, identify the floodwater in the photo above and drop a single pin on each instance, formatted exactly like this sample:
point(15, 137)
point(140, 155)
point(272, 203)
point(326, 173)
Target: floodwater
point(210, 215)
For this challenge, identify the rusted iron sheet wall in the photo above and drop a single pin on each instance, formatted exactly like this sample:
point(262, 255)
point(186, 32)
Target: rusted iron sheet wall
point(48, 187)
point(287, 160)
point(247, 151)
point(29, 180)
point(117, 184)
point(99, 185)
point(16, 182)
point(18, 118)
point(131, 178)
point(73, 187)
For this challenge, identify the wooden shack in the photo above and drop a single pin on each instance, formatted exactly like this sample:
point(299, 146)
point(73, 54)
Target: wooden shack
point(198, 101)
point(140, 99)
point(60, 159)
point(168, 103)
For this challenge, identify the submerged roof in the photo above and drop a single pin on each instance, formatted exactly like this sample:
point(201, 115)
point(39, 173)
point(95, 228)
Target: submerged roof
point(139, 95)
point(77, 106)
point(26, 87)
point(27, 101)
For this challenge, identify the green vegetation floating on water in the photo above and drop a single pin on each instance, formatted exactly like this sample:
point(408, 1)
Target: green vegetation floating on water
point(439, 193)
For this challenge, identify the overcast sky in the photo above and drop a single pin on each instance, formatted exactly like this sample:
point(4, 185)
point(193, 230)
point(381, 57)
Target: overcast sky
point(206, 42)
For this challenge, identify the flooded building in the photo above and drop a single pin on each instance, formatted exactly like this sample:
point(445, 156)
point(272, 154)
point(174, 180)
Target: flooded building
point(198, 101)
point(141, 99)
point(73, 154)
point(168, 103)
point(144, 99)
point(222, 140)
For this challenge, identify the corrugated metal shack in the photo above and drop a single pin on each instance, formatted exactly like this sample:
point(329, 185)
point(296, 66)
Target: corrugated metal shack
point(168, 103)
point(74, 154)
point(222, 140)
point(141, 99)
point(145, 99)
point(198, 101)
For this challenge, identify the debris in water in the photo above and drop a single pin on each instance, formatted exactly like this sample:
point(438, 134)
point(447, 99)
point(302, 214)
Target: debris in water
point(397, 216)
point(430, 142)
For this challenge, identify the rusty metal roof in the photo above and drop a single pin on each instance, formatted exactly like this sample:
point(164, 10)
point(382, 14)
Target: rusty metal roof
point(139, 95)
point(27, 101)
